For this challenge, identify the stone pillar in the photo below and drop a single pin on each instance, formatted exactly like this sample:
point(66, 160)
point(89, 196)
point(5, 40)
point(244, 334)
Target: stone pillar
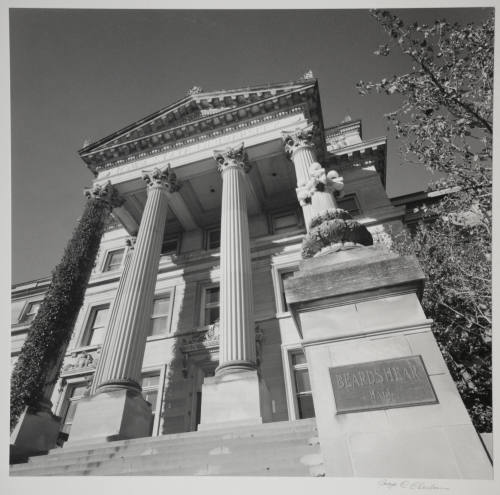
point(236, 393)
point(315, 189)
point(117, 410)
point(237, 333)
point(385, 403)
point(106, 347)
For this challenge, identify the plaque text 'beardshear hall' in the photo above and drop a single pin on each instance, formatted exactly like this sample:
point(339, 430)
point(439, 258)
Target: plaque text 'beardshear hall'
point(244, 291)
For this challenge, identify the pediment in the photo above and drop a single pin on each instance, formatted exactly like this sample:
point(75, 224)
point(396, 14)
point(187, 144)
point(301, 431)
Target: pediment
point(198, 114)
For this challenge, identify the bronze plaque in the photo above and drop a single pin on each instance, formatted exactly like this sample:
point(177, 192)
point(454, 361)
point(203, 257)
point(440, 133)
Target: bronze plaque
point(398, 382)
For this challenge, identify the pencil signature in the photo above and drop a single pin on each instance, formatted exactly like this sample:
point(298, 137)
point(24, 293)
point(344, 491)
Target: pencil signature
point(411, 485)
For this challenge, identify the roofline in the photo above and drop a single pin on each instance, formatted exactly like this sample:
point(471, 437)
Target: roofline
point(419, 195)
point(37, 281)
point(198, 96)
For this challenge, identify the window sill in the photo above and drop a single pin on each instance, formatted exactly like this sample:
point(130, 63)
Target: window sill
point(83, 348)
point(162, 336)
point(283, 314)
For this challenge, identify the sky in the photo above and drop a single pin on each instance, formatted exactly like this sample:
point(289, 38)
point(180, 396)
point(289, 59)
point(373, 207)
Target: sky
point(78, 75)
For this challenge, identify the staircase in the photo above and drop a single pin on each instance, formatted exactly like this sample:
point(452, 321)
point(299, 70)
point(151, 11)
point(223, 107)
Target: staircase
point(271, 449)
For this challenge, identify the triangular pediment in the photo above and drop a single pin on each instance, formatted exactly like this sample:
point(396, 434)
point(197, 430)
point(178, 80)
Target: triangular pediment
point(198, 113)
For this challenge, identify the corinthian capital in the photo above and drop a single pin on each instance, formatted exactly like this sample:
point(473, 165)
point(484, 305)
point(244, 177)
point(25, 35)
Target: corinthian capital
point(232, 157)
point(105, 192)
point(161, 178)
point(298, 138)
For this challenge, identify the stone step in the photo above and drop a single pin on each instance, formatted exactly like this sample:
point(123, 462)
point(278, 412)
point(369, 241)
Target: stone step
point(301, 427)
point(183, 451)
point(271, 447)
point(188, 448)
point(305, 462)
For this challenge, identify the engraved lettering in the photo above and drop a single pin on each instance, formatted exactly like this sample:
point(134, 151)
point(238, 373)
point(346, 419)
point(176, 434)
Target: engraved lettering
point(362, 377)
point(346, 380)
point(397, 374)
point(378, 377)
point(396, 382)
point(407, 374)
point(355, 380)
point(414, 372)
point(388, 375)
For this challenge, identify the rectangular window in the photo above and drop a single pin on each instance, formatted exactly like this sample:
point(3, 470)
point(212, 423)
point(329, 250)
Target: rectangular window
point(31, 311)
point(349, 203)
point(211, 305)
point(213, 238)
point(170, 246)
point(159, 318)
point(113, 260)
point(96, 326)
point(302, 385)
point(74, 395)
point(285, 221)
point(150, 384)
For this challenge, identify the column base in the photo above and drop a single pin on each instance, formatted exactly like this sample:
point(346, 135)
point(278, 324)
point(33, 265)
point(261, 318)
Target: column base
point(108, 416)
point(34, 434)
point(234, 399)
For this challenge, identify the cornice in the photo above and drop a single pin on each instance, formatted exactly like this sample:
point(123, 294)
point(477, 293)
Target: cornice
point(211, 115)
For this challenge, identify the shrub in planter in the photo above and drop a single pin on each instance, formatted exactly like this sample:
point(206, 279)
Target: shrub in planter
point(333, 226)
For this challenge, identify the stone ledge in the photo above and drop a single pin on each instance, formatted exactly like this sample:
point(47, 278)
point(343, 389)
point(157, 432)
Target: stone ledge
point(355, 271)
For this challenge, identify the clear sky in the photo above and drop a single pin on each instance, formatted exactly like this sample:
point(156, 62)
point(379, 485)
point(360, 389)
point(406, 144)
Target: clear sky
point(82, 74)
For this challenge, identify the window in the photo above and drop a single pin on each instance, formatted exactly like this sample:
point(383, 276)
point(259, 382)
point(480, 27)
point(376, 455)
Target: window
point(170, 246)
point(75, 393)
point(210, 306)
point(213, 238)
point(113, 260)
point(349, 203)
point(302, 385)
point(31, 311)
point(159, 318)
point(283, 275)
point(96, 326)
point(285, 221)
point(150, 383)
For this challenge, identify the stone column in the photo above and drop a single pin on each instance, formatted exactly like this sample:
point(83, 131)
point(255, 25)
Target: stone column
point(237, 333)
point(106, 347)
point(236, 394)
point(314, 187)
point(117, 410)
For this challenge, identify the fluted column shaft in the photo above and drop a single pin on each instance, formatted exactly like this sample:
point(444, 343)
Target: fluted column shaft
point(125, 342)
point(106, 346)
point(302, 158)
point(237, 333)
point(301, 150)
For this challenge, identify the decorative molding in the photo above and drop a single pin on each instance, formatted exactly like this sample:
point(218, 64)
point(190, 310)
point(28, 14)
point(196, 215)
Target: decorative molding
point(188, 120)
point(232, 157)
point(161, 178)
point(319, 181)
point(205, 143)
point(105, 192)
point(296, 139)
point(308, 75)
point(195, 90)
point(207, 340)
point(82, 361)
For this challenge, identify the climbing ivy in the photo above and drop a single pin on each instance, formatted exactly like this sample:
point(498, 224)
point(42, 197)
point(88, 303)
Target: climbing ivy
point(52, 327)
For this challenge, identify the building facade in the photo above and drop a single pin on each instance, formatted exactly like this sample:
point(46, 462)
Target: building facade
point(191, 271)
